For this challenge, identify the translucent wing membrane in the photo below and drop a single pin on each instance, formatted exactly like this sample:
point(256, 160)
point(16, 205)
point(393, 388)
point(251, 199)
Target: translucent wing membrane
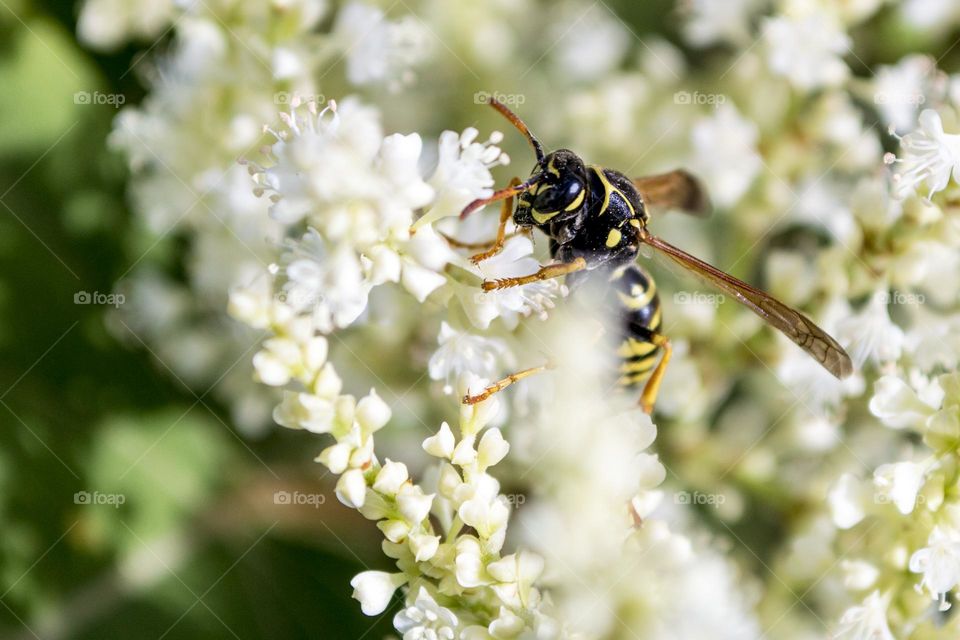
point(674, 190)
point(808, 336)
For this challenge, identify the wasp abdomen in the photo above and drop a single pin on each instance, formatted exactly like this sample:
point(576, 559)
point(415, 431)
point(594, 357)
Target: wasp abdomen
point(638, 311)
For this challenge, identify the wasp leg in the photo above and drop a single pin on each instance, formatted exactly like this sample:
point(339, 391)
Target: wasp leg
point(459, 244)
point(545, 273)
point(648, 397)
point(506, 211)
point(503, 383)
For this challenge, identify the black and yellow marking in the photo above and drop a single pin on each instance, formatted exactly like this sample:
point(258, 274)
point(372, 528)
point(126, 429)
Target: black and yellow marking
point(639, 307)
point(610, 191)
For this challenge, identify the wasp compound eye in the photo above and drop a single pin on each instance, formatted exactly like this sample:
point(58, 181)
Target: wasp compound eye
point(560, 197)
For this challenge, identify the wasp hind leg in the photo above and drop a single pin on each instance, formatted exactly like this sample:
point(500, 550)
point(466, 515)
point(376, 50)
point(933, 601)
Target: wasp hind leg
point(648, 398)
point(503, 383)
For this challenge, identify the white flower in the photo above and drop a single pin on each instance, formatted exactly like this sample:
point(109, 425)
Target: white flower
point(440, 444)
point(464, 453)
point(372, 412)
point(320, 157)
point(594, 48)
point(426, 620)
point(725, 154)
point(336, 457)
point(930, 156)
point(488, 514)
point(492, 449)
point(808, 50)
point(460, 352)
point(328, 284)
point(868, 621)
point(846, 500)
point(413, 504)
point(463, 172)
point(509, 304)
point(899, 483)
point(901, 89)
point(106, 24)
point(352, 488)
point(305, 411)
point(711, 22)
point(898, 406)
point(870, 334)
point(375, 588)
point(283, 359)
point(390, 478)
point(858, 574)
point(470, 570)
point(936, 16)
point(377, 50)
point(424, 546)
point(939, 562)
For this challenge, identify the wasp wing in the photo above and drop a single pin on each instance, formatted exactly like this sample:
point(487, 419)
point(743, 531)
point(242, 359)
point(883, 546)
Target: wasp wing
point(674, 190)
point(808, 336)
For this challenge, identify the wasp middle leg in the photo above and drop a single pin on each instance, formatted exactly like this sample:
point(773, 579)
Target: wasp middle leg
point(545, 273)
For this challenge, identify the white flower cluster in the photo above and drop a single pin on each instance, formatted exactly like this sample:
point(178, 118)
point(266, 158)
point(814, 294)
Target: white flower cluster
point(459, 584)
point(229, 67)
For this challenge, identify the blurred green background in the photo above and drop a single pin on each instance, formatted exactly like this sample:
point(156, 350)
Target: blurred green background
point(198, 549)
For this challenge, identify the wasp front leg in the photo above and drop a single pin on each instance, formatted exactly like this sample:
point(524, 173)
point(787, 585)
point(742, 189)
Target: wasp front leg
point(506, 212)
point(648, 398)
point(545, 273)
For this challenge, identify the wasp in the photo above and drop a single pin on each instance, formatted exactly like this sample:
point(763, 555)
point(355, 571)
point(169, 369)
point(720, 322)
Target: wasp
point(597, 219)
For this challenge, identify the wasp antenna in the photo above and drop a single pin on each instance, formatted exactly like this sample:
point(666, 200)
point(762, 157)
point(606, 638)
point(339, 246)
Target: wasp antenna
point(519, 124)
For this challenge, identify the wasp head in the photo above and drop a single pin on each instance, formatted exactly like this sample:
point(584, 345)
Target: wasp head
point(557, 189)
